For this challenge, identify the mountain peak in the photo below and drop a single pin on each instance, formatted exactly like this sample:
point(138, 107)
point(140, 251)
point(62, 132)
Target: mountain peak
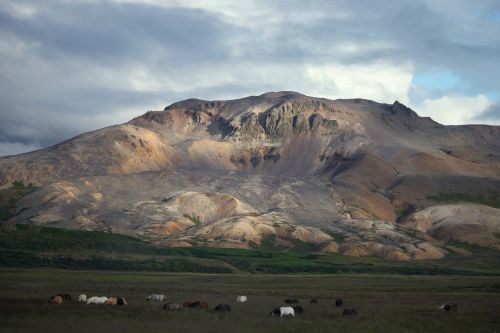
point(225, 173)
point(278, 94)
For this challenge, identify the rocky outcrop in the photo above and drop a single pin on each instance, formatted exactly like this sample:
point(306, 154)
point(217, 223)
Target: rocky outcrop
point(283, 121)
point(468, 223)
point(250, 127)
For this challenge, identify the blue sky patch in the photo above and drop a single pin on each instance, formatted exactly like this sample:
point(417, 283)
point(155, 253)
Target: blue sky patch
point(442, 80)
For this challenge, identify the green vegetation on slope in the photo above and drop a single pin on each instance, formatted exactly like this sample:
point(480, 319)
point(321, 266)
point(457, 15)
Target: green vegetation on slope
point(37, 238)
point(33, 246)
point(493, 200)
point(194, 218)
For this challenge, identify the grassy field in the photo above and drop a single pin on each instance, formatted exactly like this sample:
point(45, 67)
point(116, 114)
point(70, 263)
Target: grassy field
point(384, 303)
point(388, 296)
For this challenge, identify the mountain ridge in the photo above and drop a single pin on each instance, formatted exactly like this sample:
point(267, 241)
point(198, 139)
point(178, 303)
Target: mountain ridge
point(304, 167)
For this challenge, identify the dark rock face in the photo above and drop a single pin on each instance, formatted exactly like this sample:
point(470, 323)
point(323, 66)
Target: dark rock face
point(283, 121)
point(250, 126)
point(316, 121)
point(278, 122)
point(255, 156)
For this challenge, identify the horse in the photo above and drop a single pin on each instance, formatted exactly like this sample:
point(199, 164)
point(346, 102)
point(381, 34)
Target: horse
point(56, 299)
point(241, 299)
point(222, 308)
point(172, 307)
point(283, 311)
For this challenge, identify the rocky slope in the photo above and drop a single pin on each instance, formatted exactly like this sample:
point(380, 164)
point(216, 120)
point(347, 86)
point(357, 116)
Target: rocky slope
point(349, 176)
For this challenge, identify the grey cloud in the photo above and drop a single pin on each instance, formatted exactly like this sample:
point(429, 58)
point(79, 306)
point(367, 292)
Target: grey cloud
point(110, 32)
point(46, 94)
point(491, 114)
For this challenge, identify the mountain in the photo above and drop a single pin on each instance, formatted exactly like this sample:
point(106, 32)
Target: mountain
point(280, 169)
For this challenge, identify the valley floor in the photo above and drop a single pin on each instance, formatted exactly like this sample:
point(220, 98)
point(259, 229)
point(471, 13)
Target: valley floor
point(384, 303)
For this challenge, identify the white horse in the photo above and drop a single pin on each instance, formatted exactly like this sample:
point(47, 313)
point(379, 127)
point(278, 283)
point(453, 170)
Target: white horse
point(97, 300)
point(156, 298)
point(241, 299)
point(283, 311)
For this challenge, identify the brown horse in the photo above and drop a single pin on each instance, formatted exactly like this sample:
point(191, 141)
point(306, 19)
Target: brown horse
point(112, 301)
point(56, 299)
point(195, 305)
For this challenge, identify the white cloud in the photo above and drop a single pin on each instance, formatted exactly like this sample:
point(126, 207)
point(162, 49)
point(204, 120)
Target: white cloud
point(454, 110)
point(382, 82)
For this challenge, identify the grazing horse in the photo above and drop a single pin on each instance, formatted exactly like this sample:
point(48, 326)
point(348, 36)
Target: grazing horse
point(112, 301)
point(283, 311)
point(56, 299)
point(339, 302)
point(349, 312)
point(313, 301)
point(156, 298)
point(241, 299)
point(298, 310)
point(449, 307)
point(172, 307)
point(195, 305)
point(275, 312)
point(121, 301)
point(291, 301)
point(97, 300)
point(222, 308)
point(65, 297)
point(82, 298)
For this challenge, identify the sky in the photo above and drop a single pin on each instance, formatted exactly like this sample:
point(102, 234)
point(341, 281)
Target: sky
point(71, 66)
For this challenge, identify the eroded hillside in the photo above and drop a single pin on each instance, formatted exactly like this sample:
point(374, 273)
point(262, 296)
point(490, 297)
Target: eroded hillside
point(349, 176)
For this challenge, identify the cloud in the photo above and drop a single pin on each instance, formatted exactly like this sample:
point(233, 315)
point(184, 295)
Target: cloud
point(379, 81)
point(8, 148)
point(455, 110)
point(491, 114)
point(73, 66)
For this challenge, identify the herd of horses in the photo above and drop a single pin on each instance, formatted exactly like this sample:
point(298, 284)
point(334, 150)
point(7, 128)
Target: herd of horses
point(292, 307)
point(60, 298)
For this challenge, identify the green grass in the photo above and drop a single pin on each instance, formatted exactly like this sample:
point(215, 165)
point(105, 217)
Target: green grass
point(466, 246)
point(194, 218)
point(492, 200)
point(32, 246)
point(384, 303)
point(37, 238)
point(268, 242)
